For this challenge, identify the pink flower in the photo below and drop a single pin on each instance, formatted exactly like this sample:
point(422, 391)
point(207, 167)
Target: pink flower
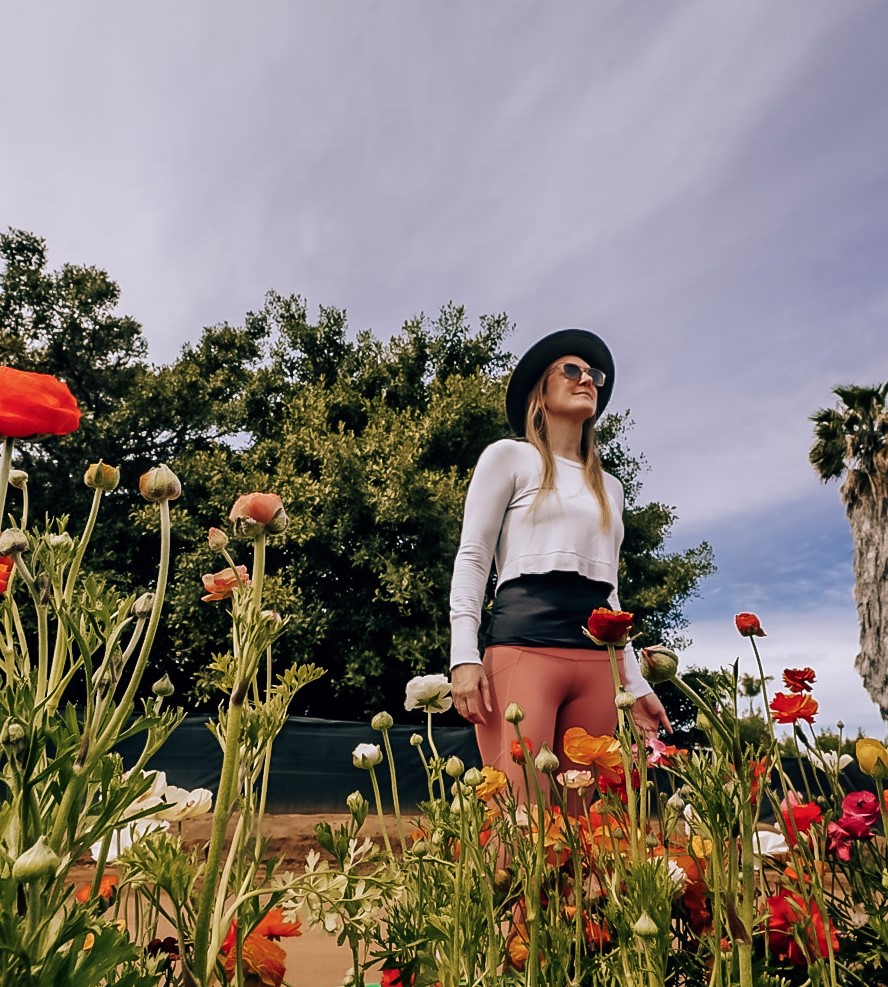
point(839, 841)
point(860, 812)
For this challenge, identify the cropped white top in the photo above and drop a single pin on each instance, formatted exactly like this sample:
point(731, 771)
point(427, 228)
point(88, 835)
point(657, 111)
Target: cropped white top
point(563, 533)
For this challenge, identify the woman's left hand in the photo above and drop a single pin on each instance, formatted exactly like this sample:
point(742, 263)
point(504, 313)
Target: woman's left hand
point(648, 715)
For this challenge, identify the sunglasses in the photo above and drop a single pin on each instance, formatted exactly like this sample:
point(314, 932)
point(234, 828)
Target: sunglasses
point(575, 372)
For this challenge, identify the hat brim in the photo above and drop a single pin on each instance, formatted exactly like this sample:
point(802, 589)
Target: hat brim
point(529, 369)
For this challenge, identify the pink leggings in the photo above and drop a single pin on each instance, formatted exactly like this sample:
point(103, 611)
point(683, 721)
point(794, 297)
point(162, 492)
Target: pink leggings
point(557, 688)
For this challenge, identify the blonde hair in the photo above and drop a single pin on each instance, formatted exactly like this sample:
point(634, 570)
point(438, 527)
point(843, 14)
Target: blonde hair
point(536, 429)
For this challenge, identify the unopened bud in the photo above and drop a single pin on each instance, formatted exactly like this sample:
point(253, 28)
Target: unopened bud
point(143, 606)
point(357, 804)
point(18, 479)
point(514, 713)
point(217, 539)
point(382, 721)
point(658, 664)
point(624, 700)
point(676, 803)
point(840, 725)
point(454, 766)
point(12, 734)
point(36, 863)
point(645, 927)
point(61, 542)
point(163, 687)
point(416, 740)
point(13, 541)
point(502, 880)
point(885, 879)
point(160, 483)
point(473, 778)
point(545, 760)
point(272, 617)
point(420, 848)
point(44, 589)
point(101, 476)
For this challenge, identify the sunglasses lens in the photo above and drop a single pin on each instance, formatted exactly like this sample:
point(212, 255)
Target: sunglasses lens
point(572, 371)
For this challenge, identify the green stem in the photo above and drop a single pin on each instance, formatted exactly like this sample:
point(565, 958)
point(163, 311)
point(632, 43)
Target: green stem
point(379, 811)
point(5, 465)
point(394, 781)
point(625, 745)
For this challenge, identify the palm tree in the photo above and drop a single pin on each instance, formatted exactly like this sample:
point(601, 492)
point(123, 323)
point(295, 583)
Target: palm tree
point(852, 440)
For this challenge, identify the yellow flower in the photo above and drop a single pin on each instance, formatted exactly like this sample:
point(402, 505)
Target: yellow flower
point(701, 846)
point(872, 757)
point(494, 783)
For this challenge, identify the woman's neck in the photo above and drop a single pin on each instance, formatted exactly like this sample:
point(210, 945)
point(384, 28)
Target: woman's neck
point(565, 439)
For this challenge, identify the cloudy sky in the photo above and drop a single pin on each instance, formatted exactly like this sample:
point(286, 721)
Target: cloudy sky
point(706, 185)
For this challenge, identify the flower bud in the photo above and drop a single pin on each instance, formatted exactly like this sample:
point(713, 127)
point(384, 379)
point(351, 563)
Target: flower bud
point(502, 880)
point(18, 479)
point(473, 778)
point(416, 740)
point(163, 687)
point(885, 879)
point(382, 721)
point(645, 927)
point(217, 539)
point(36, 863)
point(366, 756)
point(676, 803)
point(840, 725)
point(420, 848)
point(357, 804)
point(624, 700)
point(143, 606)
point(545, 760)
point(101, 476)
point(514, 713)
point(658, 664)
point(12, 735)
point(454, 766)
point(13, 541)
point(160, 483)
point(61, 542)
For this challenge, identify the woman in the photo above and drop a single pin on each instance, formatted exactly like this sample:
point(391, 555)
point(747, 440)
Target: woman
point(551, 518)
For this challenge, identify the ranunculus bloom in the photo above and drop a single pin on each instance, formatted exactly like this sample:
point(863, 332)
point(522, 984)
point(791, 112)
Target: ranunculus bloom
point(518, 749)
point(609, 626)
point(749, 625)
point(788, 707)
point(494, 783)
point(35, 404)
point(271, 925)
point(790, 916)
point(367, 756)
point(220, 585)
point(602, 754)
point(6, 564)
point(107, 891)
point(798, 816)
point(394, 976)
point(839, 840)
point(258, 509)
point(180, 804)
point(574, 779)
point(860, 812)
point(872, 757)
point(799, 679)
point(261, 958)
point(430, 693)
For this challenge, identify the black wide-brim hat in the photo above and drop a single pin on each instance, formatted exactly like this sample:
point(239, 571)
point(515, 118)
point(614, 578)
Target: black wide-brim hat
point(531, 366)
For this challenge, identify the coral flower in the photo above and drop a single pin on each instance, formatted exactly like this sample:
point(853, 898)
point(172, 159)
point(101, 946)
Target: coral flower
point(494, 783)
point(796, 929)
point(35, 404)
point(6, 564)
point(799, 679)
point(271, 926)
point(749, 625)
point(788, 707)
point(220, 585)
point(263, 959)
point(519, 749)
point(602, 754)
point(255, 511)
point(798, 817)
point(609, 626)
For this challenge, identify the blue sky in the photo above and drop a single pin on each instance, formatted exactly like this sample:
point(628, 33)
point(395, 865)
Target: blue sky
point(703, 184)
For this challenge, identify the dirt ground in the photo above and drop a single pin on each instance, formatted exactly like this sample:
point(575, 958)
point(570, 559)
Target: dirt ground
point(313, 959)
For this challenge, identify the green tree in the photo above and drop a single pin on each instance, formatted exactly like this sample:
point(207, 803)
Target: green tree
point(851, 441)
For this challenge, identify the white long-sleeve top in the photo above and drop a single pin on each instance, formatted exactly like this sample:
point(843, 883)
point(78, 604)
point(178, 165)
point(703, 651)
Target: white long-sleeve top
point(563, 533)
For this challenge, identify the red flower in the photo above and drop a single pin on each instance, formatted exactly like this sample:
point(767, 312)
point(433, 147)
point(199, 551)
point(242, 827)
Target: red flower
point(6, 564)
point(796, 929)
point(860, 812)
point(169, 946)
point(799, 679)
point(788, 707)
point(518, 752)
point(220, 585)
point(394, 977)
point(839, 841)
point(610, 626)
point(35, 404)
point(749, 625)
point(264, 959)
point(798, 816)
point(760, 769)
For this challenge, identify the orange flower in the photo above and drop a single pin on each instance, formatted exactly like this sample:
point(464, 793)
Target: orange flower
point(602, 754)
point(494, 783)
point(107, 891)
point(255, 509)
point(264, 959)
point(749, 625)
point(6, 564)
point(788, 707)
point(35, 404)
point(220, 585)
point(273, 926)
point(609, 626)
point(519, 749)
point(799, 679)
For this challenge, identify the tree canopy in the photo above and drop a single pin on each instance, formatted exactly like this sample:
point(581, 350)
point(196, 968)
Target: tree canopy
point(370, 442)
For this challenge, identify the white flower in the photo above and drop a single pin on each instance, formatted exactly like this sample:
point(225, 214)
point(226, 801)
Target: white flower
point(124, 838)
point(678, 875)
point(430, 693)
point(180, 804)
point(829, 761)
point(154, 795)
point(574, 779)
point(366, 756)
point(767, 844)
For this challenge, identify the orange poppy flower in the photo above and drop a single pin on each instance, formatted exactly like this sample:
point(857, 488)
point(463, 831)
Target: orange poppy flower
point(107, 891)
point(35, 404)
point(602, 754)
point(6, 564)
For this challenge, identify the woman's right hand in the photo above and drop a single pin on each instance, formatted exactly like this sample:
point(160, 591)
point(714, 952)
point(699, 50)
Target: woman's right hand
point(470, 691)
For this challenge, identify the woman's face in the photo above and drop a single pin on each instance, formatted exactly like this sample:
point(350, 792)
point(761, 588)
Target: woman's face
point(574, 400)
